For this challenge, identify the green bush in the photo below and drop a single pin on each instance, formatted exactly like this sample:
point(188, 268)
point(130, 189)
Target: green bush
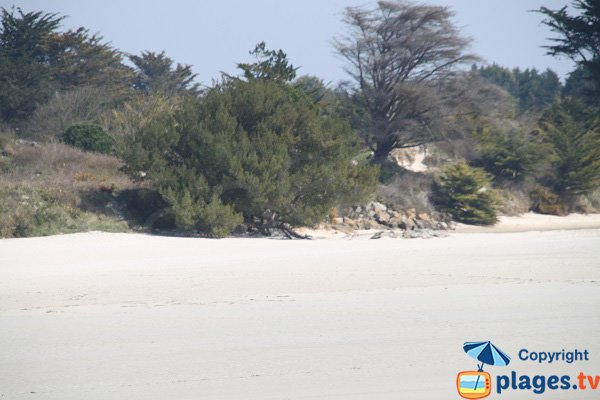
point(88, 137)
point(246, 150)
point(464, 193)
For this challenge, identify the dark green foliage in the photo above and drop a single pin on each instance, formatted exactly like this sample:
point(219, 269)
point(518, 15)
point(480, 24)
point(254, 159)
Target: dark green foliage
point(511, 156)
point(464, 193)
point(532, 89)
point(36, 60)
point(24, 79)
point(579, 85)
point(246, 150)
point(155, 74)
point(574, 133)
point(579, 38)
point(88, 137)
point(78, 58)
point(146, 207)
point(270, 64)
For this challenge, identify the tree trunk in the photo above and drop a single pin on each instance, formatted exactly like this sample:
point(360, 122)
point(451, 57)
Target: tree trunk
point(382, 151)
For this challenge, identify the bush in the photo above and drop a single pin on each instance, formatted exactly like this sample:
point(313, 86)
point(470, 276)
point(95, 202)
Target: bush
point(544, 201)
point(248, 150)
point(464, 193)
point(88, 137)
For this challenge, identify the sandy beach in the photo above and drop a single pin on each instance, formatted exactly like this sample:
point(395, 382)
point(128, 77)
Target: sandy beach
point(132, 316)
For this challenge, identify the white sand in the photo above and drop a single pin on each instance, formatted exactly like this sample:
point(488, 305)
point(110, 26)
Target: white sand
point(126, 316)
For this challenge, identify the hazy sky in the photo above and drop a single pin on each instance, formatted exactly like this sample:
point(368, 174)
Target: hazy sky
point(213, 35)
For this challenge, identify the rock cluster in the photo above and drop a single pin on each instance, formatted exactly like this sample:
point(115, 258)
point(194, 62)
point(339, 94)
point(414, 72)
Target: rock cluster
point(376, 216)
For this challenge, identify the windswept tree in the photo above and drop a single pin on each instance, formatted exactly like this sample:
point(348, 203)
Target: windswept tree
point(156, 74)
point(78, 58)
point(24, 79)
point(579, 39)
point(404, 58)
point(36, 60)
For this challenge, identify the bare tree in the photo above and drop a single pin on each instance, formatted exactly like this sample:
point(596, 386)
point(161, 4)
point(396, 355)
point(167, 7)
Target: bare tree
point(405, 59)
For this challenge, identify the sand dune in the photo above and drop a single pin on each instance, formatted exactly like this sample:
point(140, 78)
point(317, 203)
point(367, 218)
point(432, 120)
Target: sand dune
point(129, 316)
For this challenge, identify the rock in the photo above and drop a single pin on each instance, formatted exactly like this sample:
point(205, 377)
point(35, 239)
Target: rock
point(358, 209)
point(382, 217)
point(417, 234)
point(411, 213)
point(350, 222)
point(406, 224)
point(382, 234)
point(423, 234)
point(376, 206)
point(425, 224)
point(368, 224)
point(395, 222)
point(26, 142)
point(424, 216)
point(377, 235)
point(338, 220)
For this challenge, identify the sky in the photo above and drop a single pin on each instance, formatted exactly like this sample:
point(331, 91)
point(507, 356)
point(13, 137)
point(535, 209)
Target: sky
point(214, 35)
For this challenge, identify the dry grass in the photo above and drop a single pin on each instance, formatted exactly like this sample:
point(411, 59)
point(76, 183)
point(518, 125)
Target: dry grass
point(58, 166)
point(54, 188)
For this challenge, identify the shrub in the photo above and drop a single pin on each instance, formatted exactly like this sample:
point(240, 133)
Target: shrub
point(544, 201)
point(88, 137)
point(246, 150)
point(464, 193)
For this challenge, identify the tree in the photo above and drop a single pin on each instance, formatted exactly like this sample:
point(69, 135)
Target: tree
point(24, 78)
point(579, 37)
point(269, 64)
point(579, 85)
point(78, 58)
point(574, 133)
point(252, 149)
point(404, 58)
point(509, 156)
point(155, 74)
point(36, 60)
point(533, 90)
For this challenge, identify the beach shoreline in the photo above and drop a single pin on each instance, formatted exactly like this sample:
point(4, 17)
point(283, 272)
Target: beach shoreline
point(119, 315)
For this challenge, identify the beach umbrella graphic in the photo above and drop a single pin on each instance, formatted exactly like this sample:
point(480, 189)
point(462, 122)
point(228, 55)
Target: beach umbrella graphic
point(487, 353)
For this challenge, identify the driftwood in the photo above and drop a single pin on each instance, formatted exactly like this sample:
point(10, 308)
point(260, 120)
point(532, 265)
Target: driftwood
point(269, 224)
